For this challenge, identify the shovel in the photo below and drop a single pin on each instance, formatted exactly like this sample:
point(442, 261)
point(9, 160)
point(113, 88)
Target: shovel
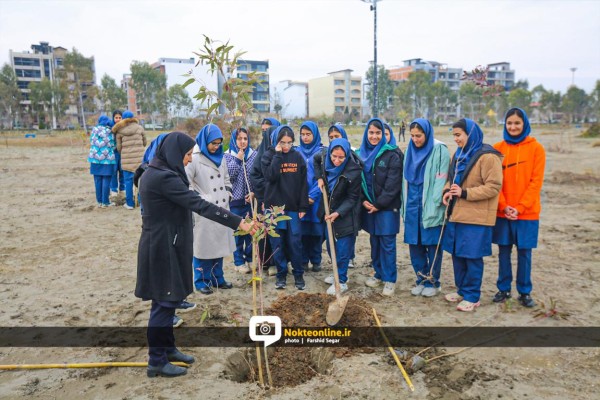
point(336, 307)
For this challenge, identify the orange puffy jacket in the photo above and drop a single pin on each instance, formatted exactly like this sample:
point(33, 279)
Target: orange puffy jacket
point(523, 174)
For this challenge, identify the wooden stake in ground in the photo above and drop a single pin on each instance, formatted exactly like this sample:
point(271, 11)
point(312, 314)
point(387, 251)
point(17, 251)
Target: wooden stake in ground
point(391, 349)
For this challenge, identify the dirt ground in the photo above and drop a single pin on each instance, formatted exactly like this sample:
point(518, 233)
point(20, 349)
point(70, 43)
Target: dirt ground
point(63, 262)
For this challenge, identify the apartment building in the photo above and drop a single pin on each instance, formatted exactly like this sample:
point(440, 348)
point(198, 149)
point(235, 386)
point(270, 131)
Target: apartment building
point(260, 95)
point(501, 74)
point(338, 92)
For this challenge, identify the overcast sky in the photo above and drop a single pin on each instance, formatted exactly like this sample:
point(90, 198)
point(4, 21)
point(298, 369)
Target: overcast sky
point(307, 39)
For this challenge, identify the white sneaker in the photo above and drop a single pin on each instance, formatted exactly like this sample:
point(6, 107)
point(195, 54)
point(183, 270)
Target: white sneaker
point(430, 291)
point(373, 282)
point(351, 263)
point(243, 269)
point(388, 288)
point(111, 204)
point(417, 290)
point(343, 289)
point(330, 280)
point(127, 206)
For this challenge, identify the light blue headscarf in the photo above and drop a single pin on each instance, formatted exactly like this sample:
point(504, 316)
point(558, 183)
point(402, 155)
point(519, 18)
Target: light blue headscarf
point(416, 157)
point(206, 135)
point(233, 147)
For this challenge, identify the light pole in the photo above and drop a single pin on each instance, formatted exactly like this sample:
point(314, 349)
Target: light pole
point(374, 9)
point(573, 69)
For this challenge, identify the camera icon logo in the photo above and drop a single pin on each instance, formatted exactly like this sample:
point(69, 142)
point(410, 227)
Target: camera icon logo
point(266, 329)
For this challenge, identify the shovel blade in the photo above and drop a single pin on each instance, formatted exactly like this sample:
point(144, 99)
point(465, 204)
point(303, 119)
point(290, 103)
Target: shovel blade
point(336, 310)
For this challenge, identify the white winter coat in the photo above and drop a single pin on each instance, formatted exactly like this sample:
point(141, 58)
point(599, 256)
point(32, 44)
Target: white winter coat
point(211, 240)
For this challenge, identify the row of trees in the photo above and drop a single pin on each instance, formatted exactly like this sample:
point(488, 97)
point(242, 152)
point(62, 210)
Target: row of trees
point(73, 96)
point(419, 96)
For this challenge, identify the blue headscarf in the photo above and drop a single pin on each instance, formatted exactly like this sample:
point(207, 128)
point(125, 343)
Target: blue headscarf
point(233, 147)
point(275, 134)
point(392, 141)
point(127, 114)
point(104, 121)
point(154, 145)
point(309, 150)
point(463, 154)
point(416, 157)
point(368, 153)
point(273, 121)
point(333, 172)
point(206, 135)
point(340, 128)
point(526, 129)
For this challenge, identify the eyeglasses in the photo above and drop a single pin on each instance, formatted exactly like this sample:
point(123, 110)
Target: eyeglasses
point(286, 144)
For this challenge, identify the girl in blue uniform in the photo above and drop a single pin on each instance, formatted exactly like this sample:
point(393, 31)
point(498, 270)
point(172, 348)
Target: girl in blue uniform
point(312, 228)
point(102, 160)
point(381, 184)
point(425, 174)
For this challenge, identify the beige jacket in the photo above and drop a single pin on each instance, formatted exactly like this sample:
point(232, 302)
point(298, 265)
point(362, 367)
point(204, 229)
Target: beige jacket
point(482, 184)
point(131, 143)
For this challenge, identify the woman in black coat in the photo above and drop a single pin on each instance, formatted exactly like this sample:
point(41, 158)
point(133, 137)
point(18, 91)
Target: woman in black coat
point(165, 249)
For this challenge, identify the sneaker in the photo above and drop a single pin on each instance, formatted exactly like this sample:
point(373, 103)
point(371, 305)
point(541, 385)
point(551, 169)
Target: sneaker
point(177, 321)
point(343, 289)
point(388, 288)
point(453, 297)
point(351, 263)
point(280, 284)
point(430, 291)
point(100, 205)
point(316, 267)
point(168, 370)
point(179, 356)
point(417, 290)
point(373, 282)
point(299, 282)
point(185, 306)
point(128, 207)
point(305, 267)
point(526, 301)
point(467, 306)
point(109, 205)
point(243, 269)
point(501, 297)
point(330, 280)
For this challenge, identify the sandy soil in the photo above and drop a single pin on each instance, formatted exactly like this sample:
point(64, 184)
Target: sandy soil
point(63, 262)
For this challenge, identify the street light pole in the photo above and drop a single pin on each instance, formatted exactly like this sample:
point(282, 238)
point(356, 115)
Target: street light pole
point(573, 69)
point(375, 69)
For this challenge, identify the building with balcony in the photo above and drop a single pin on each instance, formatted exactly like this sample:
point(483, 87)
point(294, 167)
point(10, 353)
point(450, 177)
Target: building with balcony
point(501, 74)
point(260, 94)
point(337, 93)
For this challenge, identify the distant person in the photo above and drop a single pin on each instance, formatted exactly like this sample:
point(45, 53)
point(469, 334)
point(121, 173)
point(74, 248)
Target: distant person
point(131, 144)
point(286, 185)
point(403, 130)
point(339, 172)
point(312, 227)
point(165, 247)
point(209, 177)
point(269, 122)
point(471, 193)
point(519, 206)
point(117, 182)
point(240, 158)
point(425, 174)
point(102, 160)
point(380, 215)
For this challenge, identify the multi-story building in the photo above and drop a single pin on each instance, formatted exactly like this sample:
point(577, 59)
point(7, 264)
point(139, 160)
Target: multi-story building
point(290, 99)
point(260, 95)
point(45, 62)
point(501, 74)
point(438, 71)
point(338, 92)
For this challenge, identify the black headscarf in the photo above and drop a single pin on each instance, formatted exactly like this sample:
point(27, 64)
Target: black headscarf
point(171, 152)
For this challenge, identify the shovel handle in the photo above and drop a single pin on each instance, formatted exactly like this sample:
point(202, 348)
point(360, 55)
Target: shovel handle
point(336, 277)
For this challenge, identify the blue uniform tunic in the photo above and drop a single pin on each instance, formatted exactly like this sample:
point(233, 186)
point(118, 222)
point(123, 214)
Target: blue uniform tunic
point(414, 232)
point(467, 240)
point(523, 233)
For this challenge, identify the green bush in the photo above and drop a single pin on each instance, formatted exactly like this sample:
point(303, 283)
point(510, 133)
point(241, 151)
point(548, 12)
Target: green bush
point(593, 131)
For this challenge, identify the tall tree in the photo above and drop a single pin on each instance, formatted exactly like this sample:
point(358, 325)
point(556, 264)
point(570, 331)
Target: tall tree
point(10, 96)
point(471, 99)
point(150, 87)
point(179, 102)
point(385, 88)
point(520, 98)
point(415, 94)
point(574, 103)
point(522, 84)
point(550, 103)
point(40, 96)
point(79, 69)
point(112, 96)
point(595, 102)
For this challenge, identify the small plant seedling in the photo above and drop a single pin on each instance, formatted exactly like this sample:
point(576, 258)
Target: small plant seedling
point(551, 311)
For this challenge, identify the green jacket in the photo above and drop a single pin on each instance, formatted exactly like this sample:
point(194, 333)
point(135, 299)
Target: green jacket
point(436, 174)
